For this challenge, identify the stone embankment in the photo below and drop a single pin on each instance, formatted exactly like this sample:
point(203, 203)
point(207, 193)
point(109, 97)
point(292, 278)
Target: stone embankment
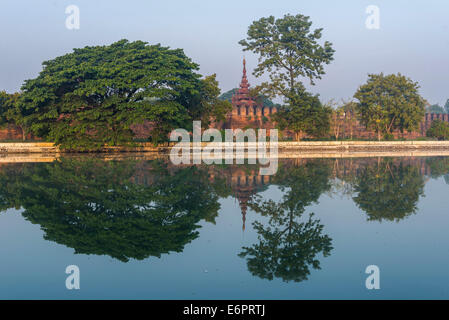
point(284, 148)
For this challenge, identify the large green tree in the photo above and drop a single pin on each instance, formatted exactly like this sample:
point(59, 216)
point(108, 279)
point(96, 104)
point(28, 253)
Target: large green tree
point(289, 51)
point(388, 103)
point(92, 96)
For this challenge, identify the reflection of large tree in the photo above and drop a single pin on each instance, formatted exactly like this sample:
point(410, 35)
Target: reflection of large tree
point(388, 191)
point(289, 243)
point(95, 207)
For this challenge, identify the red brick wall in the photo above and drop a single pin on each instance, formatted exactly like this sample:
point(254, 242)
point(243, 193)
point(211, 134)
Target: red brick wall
point(234, 121)
point(12, 132)
point(360, 132)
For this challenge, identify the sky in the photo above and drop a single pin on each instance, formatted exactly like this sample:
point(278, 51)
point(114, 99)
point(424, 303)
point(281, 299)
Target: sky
point(413, 37)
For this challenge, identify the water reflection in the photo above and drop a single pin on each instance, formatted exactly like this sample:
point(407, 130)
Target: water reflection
point(97, 207)
point(388, 190)
point(291, 240)
point(133, 209)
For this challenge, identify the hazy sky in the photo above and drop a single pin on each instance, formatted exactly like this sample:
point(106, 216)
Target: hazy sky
point(413, 37)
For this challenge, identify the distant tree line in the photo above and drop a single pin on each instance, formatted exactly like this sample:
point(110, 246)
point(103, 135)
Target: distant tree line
point(436, 108)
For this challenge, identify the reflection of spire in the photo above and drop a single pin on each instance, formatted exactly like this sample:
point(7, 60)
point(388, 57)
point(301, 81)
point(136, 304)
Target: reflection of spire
point(244, 208)
point(244, 193)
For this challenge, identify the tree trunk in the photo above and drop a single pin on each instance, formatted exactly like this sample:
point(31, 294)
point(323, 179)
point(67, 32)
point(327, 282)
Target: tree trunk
point(351, 129)
point(23, 134)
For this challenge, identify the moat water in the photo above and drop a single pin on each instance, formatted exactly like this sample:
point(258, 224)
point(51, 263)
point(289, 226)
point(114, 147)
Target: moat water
point(146, 229)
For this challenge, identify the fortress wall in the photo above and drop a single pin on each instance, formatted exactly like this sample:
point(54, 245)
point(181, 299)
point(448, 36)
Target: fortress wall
point(262, 121)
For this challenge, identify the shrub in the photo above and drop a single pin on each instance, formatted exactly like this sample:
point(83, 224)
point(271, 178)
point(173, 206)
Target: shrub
point(439, 130)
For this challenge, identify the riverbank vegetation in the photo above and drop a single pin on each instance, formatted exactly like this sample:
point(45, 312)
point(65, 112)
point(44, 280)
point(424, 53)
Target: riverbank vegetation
point(95, 96)
point(438, 130)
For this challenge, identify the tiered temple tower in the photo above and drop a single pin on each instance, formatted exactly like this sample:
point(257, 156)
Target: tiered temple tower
point(246, 110)
point(243, 103)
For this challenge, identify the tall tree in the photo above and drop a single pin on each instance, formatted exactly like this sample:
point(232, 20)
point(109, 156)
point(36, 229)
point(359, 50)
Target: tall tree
point(387, 103)
point(91, 97)
point(289, 52)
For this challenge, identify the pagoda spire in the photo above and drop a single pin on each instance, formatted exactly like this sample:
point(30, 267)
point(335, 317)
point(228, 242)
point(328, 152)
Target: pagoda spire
point(241, 99)
point(244, 67)
point(244, 84)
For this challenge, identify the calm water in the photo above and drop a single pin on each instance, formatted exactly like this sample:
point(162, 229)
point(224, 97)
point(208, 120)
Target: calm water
point(149, 230)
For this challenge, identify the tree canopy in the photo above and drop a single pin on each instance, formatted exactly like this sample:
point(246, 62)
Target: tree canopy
point(12, 112)
point(208, 105)
point(91, 97)
point(388, 103)
point(289, 52)
point(5, 104)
